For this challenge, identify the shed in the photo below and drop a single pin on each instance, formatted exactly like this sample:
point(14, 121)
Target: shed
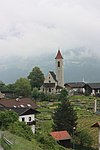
point(62, 137)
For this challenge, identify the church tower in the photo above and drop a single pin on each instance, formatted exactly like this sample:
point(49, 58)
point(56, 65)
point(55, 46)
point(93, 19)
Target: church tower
point(59, 69)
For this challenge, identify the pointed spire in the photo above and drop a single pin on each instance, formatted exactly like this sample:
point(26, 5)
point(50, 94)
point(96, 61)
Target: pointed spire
point(59, 55)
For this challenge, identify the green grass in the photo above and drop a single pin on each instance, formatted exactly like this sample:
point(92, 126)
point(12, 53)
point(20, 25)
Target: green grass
point(85, 123)
point(20, 143)
point(84, 106)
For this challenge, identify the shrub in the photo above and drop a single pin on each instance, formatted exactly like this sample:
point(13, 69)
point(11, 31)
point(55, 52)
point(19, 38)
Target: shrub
point(21, 129)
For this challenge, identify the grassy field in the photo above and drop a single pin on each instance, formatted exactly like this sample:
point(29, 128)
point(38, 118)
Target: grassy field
point(84, 106)
point(86, 118)
point(20, 143)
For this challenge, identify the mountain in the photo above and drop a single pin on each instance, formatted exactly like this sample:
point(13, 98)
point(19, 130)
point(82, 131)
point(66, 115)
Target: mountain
point(77, 66)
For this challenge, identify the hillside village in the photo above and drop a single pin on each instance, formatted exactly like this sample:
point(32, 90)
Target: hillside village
point(28, 111)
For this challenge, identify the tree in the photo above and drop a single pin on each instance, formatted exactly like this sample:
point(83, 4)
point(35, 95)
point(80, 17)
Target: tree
point(10, 88)
point(6, 118)
point(63, 94)
point(2, 86)
point(64, 117)
point(23, 87)
point(35, 93)
point(36, 78)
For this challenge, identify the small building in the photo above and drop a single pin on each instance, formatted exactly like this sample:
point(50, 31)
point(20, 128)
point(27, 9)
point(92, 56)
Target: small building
point(62, 137)
point(75, 87)
point(2, 95)
point(25, 108)
point(94, 88)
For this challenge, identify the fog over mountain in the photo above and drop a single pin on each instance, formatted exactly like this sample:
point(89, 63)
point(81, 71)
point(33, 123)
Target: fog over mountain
point(79, 64)
point(31, 31)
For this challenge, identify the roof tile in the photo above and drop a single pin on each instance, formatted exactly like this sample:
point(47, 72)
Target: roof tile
point(60, 135)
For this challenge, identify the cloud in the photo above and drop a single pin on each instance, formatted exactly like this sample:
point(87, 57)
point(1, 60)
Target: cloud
point(31, 28)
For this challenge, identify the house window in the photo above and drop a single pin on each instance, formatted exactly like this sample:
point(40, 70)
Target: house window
point(23, 119)
point(49, 89)
point(58, 63)
point(29, 118)
point(49, 81)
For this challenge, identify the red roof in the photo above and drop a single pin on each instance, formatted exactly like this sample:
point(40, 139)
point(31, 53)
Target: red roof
point(97, 124)
point(59, 55)
point(19, 103)
point(60, 135)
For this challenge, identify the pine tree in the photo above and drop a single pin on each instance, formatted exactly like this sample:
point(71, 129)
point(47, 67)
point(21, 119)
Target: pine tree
point(65, 116)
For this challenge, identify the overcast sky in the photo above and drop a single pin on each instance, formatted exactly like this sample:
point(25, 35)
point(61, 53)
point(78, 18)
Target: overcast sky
point(35, 27)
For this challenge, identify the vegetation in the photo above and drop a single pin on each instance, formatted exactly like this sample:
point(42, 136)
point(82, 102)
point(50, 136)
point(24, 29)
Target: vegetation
point(2, 86)
point(36, 78)
point(42, 139)
point(7, 117)
point(22, 87)
point(20, 143)
point(83, 105)
point(85, 139)
point(65, 116)
point(21, 129)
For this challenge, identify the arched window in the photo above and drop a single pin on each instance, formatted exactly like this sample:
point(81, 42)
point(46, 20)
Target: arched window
point(58, 63)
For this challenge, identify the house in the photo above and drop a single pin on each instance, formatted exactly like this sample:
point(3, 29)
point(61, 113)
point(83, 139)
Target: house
point(54, 82)
point(25, 108)
point(75, 87)
point(2, 95)
point(94, 89)
point(62, 137)
point(83, 88)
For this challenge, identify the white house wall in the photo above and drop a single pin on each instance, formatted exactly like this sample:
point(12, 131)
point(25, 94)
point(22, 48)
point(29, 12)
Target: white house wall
point(27, 120)
point(27, 117)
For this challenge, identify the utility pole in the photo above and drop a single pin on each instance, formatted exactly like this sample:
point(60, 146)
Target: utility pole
point(73, 138)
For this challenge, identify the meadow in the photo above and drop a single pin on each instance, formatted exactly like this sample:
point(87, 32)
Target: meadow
point(83, 105)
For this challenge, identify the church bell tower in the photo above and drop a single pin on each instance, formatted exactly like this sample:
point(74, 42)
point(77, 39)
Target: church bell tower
point(59, 69)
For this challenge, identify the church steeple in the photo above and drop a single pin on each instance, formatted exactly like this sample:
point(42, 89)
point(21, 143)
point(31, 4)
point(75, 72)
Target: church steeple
point(59, 55)
point(59, 69)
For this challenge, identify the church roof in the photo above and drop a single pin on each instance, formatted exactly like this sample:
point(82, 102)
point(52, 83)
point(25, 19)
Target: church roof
point(53, 75)
point(75, 84)
point(18, 103)
point(59, 55)
point(94, 85)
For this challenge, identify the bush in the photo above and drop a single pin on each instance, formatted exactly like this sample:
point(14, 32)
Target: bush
point(85, 139)
point(6, 118)
point(21, 129)
point(47, 142)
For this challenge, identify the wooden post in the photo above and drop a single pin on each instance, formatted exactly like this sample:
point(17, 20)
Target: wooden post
point(95, 105)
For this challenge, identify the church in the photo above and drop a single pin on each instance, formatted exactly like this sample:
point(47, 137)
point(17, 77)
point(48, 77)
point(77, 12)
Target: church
point(54, 82)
